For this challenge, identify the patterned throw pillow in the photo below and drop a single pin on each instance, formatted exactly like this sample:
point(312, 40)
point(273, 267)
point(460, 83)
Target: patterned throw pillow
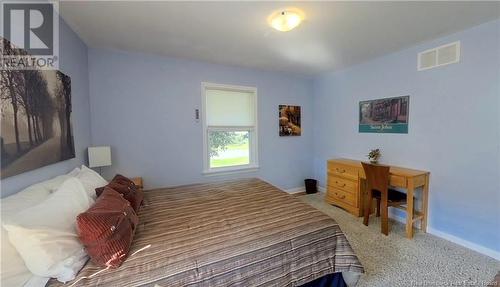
point(107, 228)
point(127, 188)
point(124, 180)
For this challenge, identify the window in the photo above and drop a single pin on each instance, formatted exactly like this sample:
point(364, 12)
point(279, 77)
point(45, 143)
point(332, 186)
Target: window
point(229, 128)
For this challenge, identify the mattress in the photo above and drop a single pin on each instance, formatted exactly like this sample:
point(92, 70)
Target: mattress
point(234, 233)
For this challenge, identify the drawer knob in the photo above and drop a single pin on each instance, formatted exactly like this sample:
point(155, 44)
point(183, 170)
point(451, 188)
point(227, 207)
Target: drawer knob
point(340, 170)
point(341, 185)
point(340, 196)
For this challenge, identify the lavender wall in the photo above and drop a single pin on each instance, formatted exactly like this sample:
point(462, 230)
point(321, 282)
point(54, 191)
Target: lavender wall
point(454, 128)
point(73, 62)
point(143, 107)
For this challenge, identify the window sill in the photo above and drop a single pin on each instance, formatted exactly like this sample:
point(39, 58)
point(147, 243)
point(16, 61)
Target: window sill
point(230, 170)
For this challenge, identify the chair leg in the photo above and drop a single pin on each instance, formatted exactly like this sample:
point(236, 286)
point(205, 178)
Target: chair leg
point(368, 203)
point(378, 207)
point(385, 215)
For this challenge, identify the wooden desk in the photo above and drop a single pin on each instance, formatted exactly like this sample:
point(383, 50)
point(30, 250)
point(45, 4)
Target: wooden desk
point(346, 189)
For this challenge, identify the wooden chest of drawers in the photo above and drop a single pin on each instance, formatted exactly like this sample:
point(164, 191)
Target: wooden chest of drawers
point(346, 185)
point(343, 186)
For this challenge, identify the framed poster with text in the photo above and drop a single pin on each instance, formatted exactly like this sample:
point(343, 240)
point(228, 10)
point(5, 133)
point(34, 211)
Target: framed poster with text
point(389, 115)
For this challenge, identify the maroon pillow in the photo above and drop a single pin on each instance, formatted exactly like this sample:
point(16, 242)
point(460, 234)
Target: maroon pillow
point(124, 180)
point(135, 198)
point(107, 228)
point(127, 188)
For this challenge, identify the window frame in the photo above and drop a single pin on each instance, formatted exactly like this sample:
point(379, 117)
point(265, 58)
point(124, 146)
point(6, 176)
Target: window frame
point(253, 142)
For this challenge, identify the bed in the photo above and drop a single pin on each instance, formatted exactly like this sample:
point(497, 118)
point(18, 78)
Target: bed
point(233, 233)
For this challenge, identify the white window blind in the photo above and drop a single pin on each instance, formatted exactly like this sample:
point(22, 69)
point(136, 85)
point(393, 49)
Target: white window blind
point(230, 108)
point(229, 115)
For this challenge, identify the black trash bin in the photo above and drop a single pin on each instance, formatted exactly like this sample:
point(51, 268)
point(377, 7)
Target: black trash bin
point(311, 185)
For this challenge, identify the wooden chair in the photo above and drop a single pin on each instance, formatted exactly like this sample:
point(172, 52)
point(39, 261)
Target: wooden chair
point(377, 186)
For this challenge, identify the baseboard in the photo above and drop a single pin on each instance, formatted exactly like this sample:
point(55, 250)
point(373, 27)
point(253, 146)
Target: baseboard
point(467, 244)
point(397, 217)
point(296, 190)
point(401, 219)
point(462, 242)
point(302, 189)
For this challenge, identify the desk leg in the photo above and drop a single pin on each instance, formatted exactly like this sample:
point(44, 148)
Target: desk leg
point(409, 209)
point(425, 202)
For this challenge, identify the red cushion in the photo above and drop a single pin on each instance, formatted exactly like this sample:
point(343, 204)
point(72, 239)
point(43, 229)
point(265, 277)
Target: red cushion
point(135, 198)
point(122, 179)
point(126, 187)
point(118, 179)
point(107, 228)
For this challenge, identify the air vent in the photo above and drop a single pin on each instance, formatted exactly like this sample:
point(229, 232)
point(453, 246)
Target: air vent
point(439, 56)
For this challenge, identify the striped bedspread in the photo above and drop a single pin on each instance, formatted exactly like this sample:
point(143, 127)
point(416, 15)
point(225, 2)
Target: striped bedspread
point(234, 233)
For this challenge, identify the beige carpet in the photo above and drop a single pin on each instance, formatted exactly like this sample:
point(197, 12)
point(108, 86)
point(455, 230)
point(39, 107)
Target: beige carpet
point(393, 260)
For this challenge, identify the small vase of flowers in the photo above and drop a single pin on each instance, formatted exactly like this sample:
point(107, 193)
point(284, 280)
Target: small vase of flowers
point(374, 155)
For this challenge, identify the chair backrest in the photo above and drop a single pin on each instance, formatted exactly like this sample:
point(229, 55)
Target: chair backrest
point(377, 176)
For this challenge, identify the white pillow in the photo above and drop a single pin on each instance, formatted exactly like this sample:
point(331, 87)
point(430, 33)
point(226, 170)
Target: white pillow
point(35, 193)
point(90, 180)
point(13, 271)
point(32, 195)
point(74, 172)
point(45, 235)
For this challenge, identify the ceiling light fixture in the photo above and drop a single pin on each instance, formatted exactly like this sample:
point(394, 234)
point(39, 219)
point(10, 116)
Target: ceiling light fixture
point(285, 20)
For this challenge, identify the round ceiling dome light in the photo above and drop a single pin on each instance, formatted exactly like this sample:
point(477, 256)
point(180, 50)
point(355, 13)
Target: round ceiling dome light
point(285, 20)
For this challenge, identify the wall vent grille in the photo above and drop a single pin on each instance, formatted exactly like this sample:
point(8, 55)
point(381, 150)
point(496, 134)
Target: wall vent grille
point(439, 56)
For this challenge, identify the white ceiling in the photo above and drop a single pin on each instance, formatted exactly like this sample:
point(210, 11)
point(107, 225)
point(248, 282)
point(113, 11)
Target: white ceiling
point(333, 36)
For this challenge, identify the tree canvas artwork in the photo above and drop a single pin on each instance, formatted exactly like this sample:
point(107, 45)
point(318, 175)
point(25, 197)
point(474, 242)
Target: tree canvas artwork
point(289, 120)
point(36, 125)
